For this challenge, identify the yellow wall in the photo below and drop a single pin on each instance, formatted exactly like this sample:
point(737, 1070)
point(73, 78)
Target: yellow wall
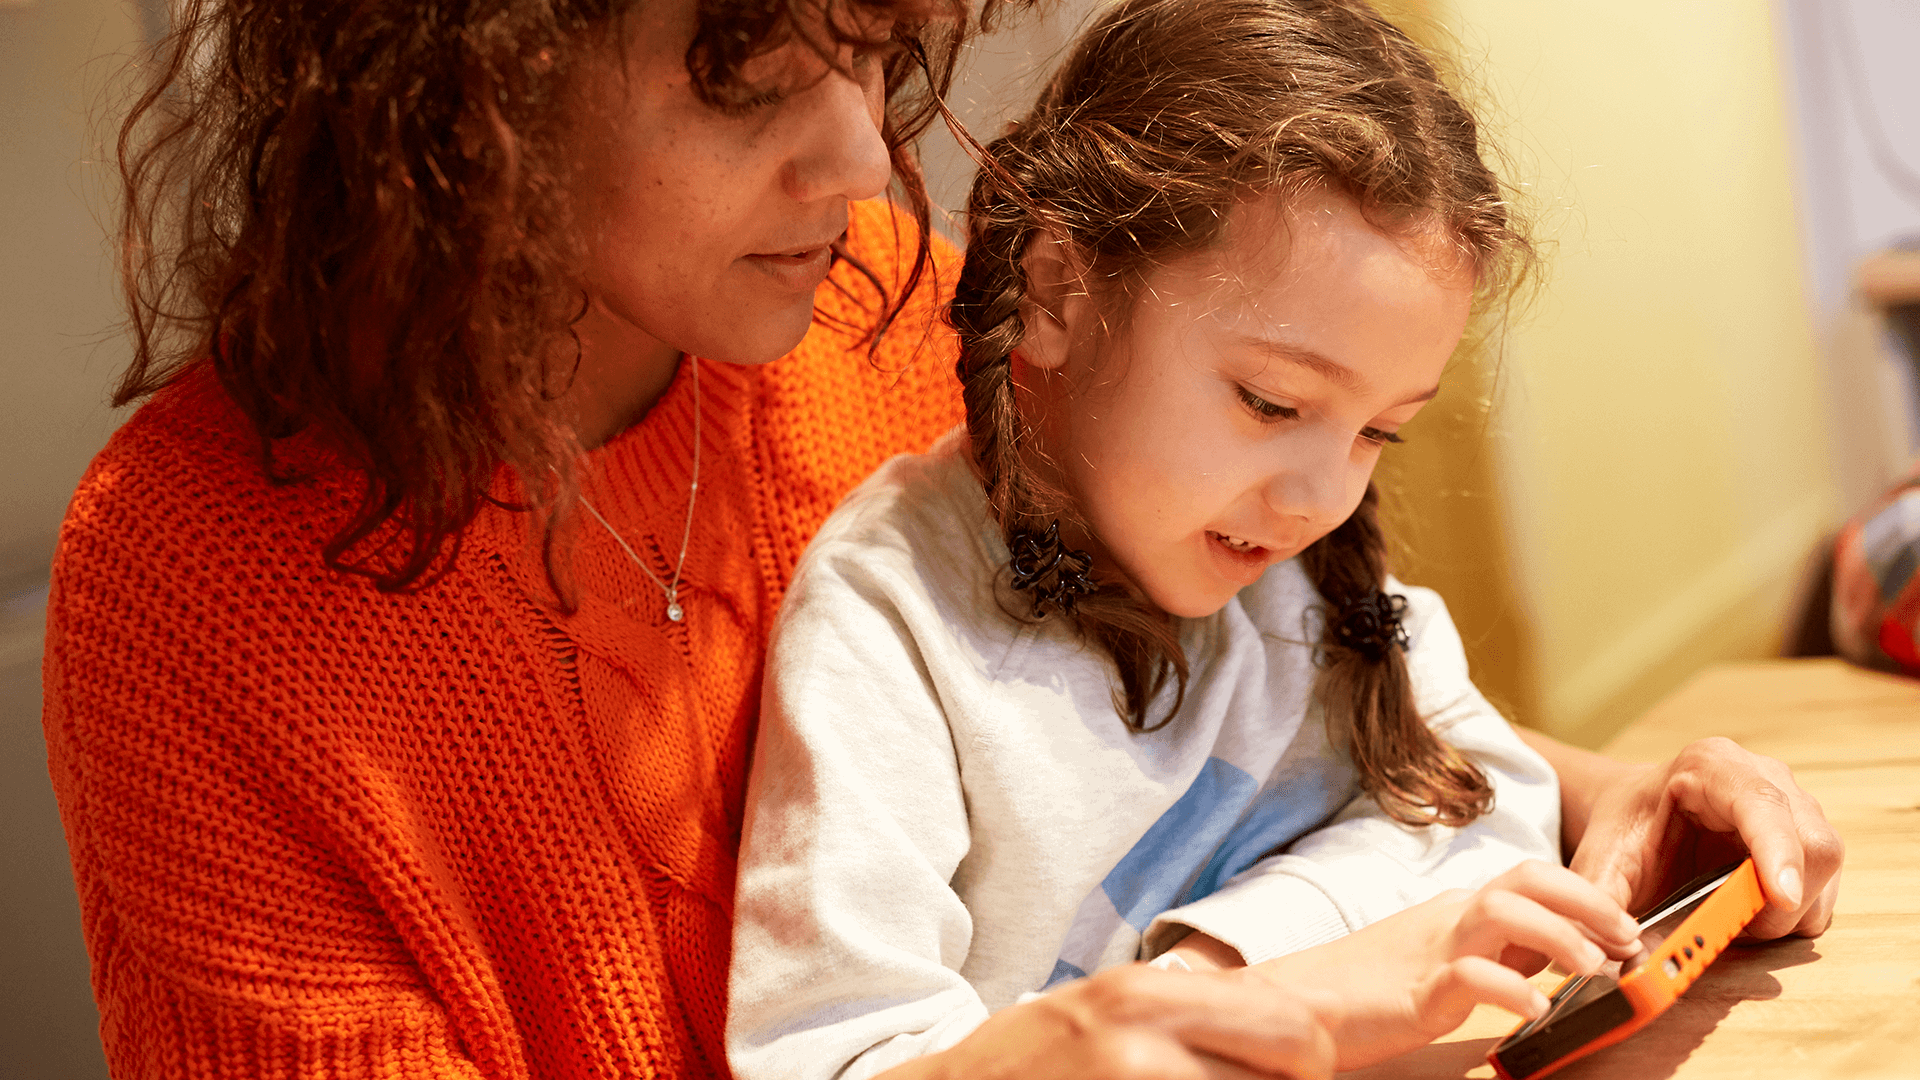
point(1660, 443)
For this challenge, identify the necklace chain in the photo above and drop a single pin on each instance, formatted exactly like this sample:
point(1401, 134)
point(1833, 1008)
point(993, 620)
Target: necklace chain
point(674, 611)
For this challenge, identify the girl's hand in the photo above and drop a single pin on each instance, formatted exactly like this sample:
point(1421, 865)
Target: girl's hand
point(1141, 1023)
point(1411, 978)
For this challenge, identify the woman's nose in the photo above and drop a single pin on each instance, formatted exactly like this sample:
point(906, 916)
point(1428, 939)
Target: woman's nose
point(841, 151)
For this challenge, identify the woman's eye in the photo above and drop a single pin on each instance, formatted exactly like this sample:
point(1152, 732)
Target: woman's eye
point(748, 104)
point(1378, 437)
point(1267, 411)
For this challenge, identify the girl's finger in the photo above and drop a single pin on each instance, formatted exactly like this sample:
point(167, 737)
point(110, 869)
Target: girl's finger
point(1498, 919)
point(1566, 893)
point(1476, 980)
point(1525, 961)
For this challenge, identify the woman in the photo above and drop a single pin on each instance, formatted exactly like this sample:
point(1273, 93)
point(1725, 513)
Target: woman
point(404, 649)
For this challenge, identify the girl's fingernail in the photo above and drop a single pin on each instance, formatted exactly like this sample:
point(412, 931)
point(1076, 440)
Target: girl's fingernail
point(1539, 1002)
point(1789, 882)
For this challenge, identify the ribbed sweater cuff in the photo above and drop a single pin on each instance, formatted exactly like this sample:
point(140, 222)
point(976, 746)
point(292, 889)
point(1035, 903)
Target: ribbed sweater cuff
point(158, 1026)
point(1284, 915)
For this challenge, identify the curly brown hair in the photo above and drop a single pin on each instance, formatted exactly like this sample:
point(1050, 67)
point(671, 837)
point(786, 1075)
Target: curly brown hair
point(1168, 114)
point(354, 212)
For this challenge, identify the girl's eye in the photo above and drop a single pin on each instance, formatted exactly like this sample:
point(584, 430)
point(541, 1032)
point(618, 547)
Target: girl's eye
point(1267, 411)
point(1270, 413)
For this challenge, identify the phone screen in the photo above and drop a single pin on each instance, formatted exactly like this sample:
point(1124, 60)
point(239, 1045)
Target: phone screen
point(1656, 927)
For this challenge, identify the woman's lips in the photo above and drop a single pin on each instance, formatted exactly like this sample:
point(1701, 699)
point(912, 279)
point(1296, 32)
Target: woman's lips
point(800, 271)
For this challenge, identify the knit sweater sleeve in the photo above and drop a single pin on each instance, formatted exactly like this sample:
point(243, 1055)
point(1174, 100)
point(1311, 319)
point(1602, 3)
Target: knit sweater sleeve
point(848, 937)
point(1362, 866)
point(234, 931)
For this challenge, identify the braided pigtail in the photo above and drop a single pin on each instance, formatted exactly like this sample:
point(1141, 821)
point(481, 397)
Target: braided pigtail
point(986, 314)
point(1002, 218)
point(1365, 690)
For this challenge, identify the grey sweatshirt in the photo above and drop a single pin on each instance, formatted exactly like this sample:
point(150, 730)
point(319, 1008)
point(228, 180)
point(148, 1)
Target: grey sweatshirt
point(946, 812)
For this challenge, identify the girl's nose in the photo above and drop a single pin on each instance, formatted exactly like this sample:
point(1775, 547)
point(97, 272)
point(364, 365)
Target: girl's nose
point(1316, 482)
point(840, 151)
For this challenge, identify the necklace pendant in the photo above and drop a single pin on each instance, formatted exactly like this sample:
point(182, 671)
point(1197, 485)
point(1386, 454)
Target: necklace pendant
point(674, 612)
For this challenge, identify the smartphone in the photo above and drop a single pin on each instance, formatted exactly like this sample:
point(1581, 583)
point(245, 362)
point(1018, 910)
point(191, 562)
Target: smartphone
point(1679, 937)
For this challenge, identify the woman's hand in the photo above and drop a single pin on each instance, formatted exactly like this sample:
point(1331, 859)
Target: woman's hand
point(1657, 826)
point(1411, 978)
point(1639, 831)
point(1141, 1023)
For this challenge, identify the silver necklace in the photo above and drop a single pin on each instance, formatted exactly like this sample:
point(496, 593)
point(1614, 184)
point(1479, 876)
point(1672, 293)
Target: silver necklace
point(674, 611)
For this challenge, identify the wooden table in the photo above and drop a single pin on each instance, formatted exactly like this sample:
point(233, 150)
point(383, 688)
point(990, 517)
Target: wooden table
point(1839, 1007)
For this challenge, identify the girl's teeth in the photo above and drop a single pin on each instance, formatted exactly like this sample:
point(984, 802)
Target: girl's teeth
point(1234, 542)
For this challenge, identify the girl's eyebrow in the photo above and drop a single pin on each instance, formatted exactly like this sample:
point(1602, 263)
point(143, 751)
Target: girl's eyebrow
point(1332, 370)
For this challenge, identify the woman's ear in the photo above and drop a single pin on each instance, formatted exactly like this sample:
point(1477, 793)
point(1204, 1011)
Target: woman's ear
point(1056, 305)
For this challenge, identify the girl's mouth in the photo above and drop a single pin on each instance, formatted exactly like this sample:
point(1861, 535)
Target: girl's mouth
point(1240, 560)
point(1234, 543)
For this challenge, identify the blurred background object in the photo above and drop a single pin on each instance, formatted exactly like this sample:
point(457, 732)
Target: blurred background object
point(1874, 608)
point(1623, 489)
point(1890, 282)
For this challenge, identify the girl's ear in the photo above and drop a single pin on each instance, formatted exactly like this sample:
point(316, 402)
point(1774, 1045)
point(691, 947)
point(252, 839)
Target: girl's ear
point(1054, 310)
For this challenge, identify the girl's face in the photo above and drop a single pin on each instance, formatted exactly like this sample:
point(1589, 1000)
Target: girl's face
point(1236, 414)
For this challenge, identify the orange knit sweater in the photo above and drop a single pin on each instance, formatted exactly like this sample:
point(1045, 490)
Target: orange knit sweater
point(321, 831)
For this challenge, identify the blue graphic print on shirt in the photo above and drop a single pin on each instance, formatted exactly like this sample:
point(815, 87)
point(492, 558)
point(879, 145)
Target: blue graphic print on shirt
point(1147, 880)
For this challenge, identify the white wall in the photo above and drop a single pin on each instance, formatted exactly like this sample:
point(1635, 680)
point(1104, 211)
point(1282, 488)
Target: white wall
point(999, 76)
point(1855, 67)
point(1855, 78)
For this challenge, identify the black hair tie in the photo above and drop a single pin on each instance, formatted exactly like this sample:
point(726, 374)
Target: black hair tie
point(1057, 577)
point(1371, 625)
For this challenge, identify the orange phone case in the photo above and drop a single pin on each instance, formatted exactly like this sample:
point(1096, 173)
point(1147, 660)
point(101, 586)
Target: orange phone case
point(1674, 965)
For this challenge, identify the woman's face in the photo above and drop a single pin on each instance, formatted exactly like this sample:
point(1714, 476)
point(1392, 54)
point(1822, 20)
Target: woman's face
point(707, 229)
point(1237, 415)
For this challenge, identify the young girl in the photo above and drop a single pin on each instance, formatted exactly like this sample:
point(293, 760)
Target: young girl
point(1118, 670)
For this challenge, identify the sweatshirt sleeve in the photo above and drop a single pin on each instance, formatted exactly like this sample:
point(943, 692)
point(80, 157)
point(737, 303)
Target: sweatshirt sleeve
point(1363, 866)
point(848, 937)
